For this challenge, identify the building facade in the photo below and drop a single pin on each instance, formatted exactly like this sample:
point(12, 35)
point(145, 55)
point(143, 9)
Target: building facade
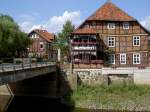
point(110, 37)
point(42, 44)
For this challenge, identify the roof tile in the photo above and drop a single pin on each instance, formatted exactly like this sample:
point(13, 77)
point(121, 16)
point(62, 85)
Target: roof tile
point(84, 31)
point(45, 34)
point(110, 12)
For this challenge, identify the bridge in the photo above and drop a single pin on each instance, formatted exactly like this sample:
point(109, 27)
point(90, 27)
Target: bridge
point(16, 72)
point(32, 79)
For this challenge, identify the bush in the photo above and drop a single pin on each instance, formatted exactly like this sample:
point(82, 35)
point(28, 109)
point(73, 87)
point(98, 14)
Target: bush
point(39, 59)
point(18, 62)
point(33, 61)
point(8, 60)
point(1, 61)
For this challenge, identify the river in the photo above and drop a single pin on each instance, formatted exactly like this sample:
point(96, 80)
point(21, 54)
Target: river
point(37, 104)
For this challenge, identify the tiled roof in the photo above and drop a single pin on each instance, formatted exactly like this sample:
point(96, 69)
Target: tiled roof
point(45, 34)
point(84, 31)
point(110, 12)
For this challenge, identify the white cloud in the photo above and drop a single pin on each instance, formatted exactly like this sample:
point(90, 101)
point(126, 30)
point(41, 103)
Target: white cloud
point(53, 24)
point(146, 22)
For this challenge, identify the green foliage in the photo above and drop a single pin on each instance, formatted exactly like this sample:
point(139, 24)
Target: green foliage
point(62, 41)
point(18, 62)
point(34, 61)
point(39, 59)
point(13, 42)
point(115, 96)
point(7, 60)
point(108, 51)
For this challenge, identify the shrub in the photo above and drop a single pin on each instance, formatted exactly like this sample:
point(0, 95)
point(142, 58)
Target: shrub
point(33, 61)
point(8, 60)
point(39, 59)
point(18, 62)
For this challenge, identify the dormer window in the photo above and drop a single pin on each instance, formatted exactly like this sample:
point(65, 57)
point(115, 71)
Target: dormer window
point(111, 25)
point(125, 25)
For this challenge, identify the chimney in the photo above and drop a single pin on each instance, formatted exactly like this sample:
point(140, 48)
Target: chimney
point(41, 27)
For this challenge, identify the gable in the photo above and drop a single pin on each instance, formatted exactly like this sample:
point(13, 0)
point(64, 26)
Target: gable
point(110, 12)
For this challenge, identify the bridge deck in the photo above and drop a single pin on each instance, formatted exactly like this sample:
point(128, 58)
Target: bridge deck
point(12, 72)
point(13, 67)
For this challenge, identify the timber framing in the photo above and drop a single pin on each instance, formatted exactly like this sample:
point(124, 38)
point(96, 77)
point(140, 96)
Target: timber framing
point(131, 41)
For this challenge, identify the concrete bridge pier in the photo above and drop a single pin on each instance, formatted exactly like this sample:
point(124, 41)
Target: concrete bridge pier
point(6, 96)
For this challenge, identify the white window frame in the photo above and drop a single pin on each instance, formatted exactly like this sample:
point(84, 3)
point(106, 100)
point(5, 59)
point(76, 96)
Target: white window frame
point(123, 58)
point(136, 58)
point(112, 59)
point(126, 25)
point(111, 40)
point(111, 26)
point(136, 38)
point(42, 43)
point(36, 36)
point(32, 36)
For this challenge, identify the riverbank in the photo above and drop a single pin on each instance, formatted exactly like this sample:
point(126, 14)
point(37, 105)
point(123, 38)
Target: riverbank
point(115, 97)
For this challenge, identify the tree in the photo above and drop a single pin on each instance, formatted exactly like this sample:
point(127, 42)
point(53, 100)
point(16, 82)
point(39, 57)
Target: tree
point(13, 42)
point(62, 41)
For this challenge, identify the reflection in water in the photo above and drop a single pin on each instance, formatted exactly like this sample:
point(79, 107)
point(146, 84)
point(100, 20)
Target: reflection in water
point(40, 104)
point(33, 104)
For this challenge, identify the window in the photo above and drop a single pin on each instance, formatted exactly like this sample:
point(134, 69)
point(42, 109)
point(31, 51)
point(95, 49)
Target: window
point(125, 25)
point(136, 58)
point(136, 40)
point(36, 36)
point(32, 36)
point(41, 45)
point(123, 58)
point(111, 41)
point(111, 25)
point(112, 59)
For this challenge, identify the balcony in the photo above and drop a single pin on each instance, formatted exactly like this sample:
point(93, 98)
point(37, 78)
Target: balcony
point(83, 43)
point(84, 48)
point(78, 61)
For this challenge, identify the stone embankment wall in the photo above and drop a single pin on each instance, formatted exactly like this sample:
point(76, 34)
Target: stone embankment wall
point(109, 76)
point(95, 77)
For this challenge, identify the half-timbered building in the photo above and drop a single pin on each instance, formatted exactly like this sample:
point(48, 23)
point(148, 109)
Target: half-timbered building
point(109, 37)
point(42, 44)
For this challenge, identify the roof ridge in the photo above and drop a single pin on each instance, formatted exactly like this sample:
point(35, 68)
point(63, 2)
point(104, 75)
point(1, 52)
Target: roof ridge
point(107, 14)
point(45, 35)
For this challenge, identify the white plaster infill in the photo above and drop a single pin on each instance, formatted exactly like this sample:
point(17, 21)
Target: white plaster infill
point(121, 70)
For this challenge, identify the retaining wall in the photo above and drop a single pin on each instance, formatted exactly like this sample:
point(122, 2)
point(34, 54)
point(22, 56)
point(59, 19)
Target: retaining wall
point(128, 75)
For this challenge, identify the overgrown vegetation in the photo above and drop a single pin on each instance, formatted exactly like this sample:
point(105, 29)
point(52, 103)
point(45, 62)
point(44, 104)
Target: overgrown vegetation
point(18, 61)
point(116, 97)
point(108, 52)
point(62, 42)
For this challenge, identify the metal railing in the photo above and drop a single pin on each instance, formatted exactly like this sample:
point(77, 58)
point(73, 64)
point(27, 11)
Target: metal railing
point(4, 67)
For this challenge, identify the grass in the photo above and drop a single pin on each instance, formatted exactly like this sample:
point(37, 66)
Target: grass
point(116, 97)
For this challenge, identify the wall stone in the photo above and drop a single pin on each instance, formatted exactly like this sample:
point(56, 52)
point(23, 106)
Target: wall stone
point(87, 76)
point(128, 75)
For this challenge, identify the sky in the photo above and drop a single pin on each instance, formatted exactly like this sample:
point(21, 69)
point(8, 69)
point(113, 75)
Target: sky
point(52, 14)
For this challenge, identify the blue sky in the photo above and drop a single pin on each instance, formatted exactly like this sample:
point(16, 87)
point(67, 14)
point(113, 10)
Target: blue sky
point(51, 14)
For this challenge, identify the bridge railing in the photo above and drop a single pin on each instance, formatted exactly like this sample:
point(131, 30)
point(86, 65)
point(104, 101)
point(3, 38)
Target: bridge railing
point(14, 66)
